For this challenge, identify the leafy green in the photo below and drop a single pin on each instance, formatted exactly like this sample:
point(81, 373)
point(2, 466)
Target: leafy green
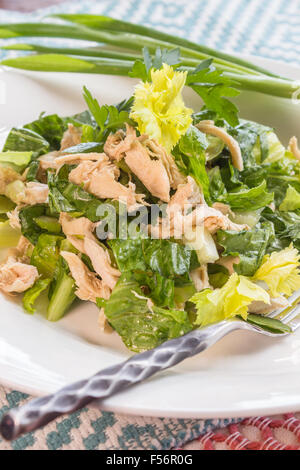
point(33, 293)
point(249, 245)
point(217, 188)
point(218, 275)
point(45, 254)
point(33, 168)
point(141, 69)
point(291, 201)
point(25, 140)
point(50, 224)
point(157, 287)
point(167, 258)
point(141, 327)
point(50, 127)
point(29, 228)
point(190, 158)
point(85, 147)
point(108, 118)
point(248, 199)
point(213, 86)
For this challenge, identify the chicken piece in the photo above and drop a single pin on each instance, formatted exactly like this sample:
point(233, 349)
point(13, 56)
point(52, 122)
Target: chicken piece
point(48, 160)
point(293, 147)
point(101, 262)
point(261, 308)
point(71, 137)
point(208, 127)
point(200, 279)
point(224, 208)
point(16, 277)
point(117, 144)
point(7, 175)
point(89, 287)
point(157, 151)
point(76, 158)
point(152, 173)
point(35, 193)
point(187, 195)
point(228, 262)
point(100, 180)
point(76, 229)
point(13, 217)
point(81, 226)
point(177, 223)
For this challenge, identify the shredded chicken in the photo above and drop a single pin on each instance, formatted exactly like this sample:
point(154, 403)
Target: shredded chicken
point(100, 179)
point(224, 208)
point(22, 251)
point(89, 287)
point(199, 277)
point(293, 147)
point(179, 219)
point(209, 128)
point(118, 144)
point(228, 262)
point(261, 308)
point(76, 158)
point(101, 262)
point(71, 137)
point(151, 172)
point(34, 193)
point(48, 160)
point(187, 194)
point(16, 277)
point(13, 217)
point(157, 151)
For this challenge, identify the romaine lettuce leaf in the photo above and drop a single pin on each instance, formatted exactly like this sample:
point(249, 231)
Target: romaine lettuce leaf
point(248, 199)
point(231, 300)
point(25, 140)
point(50, 127)
point(249, 245)
point(18, 161)
point(45, 254)
point(140, 325)
point(190, 158)
point(167, 258)
point(291, 201)
point(280, 271)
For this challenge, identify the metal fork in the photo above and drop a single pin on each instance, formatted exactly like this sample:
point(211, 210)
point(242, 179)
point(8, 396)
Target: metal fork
point(40, 411)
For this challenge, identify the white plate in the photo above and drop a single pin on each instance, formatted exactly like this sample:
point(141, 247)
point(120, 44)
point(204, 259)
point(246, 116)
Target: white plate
point(245, 374)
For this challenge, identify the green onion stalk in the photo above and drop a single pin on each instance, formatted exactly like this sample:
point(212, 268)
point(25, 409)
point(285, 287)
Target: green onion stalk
point(128, 41)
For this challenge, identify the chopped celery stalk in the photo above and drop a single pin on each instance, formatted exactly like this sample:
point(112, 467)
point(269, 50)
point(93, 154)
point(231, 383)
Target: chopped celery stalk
point(15, 190)
point(9, 236)
point(62, 297)
point(50, 224)
point(200, 240)
point(18, 161)
point(6, 205)
point(250, 218)
point(32, 294)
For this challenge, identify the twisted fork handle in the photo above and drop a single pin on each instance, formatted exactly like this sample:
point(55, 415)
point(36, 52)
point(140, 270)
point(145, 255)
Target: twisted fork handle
point(40, 411)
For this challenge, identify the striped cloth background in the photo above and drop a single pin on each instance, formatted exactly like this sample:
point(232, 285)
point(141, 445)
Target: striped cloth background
point(269, 28)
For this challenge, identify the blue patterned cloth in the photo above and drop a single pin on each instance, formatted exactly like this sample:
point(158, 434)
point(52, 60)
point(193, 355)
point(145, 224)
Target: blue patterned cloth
point(269, 28)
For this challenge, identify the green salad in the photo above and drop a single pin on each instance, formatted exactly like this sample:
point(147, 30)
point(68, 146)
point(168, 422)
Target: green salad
point(166, 218)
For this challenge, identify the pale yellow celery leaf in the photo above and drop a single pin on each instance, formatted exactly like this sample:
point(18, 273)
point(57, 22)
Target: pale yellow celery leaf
point(291, 201)
point(280, 271)
point(159, 109)
point(232, 299)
